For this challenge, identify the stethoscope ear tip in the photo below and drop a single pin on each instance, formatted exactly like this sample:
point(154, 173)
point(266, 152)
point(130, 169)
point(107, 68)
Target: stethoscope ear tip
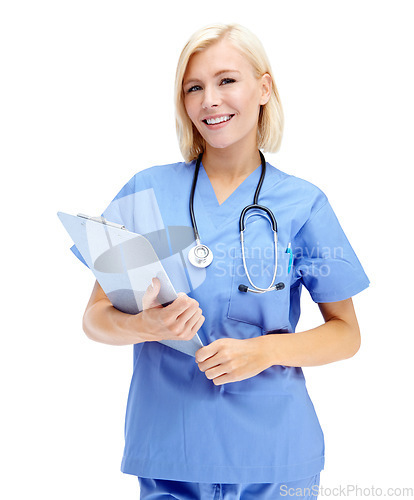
point(243, 288)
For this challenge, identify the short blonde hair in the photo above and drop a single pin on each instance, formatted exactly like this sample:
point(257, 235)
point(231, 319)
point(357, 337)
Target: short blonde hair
point(271, 120)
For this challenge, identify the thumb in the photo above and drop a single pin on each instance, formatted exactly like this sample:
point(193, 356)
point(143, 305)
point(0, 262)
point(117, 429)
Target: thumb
point(149, 299)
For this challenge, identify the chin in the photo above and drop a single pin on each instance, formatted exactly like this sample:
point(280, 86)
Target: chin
point(217, 144)
point(223, 143)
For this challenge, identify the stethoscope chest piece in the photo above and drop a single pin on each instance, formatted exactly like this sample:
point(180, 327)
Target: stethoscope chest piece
point(200, 256)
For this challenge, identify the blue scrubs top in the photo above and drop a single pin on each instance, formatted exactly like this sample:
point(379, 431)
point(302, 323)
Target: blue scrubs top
point(179, 425)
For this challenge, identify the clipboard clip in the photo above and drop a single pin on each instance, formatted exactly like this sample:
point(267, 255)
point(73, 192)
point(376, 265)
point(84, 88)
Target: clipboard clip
point(102, 220)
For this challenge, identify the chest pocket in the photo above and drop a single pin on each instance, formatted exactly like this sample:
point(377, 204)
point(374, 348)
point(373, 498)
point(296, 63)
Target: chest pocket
point(269, 310)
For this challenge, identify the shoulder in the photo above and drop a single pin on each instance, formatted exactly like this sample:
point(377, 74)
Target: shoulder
point(299, 191)
point(159, 172)
point(157, 175)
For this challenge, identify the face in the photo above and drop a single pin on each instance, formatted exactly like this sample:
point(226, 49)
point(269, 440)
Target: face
point(222, 96)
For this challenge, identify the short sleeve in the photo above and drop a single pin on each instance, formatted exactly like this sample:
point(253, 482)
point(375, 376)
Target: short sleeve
point(324, 260)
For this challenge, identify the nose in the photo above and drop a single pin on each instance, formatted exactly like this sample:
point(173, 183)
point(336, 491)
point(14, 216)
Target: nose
point(211, 97)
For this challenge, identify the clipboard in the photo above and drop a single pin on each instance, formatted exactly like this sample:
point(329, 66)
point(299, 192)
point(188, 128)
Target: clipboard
point(124, 264)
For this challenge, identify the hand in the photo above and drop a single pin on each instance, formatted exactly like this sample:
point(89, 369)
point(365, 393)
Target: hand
point(231, 360)
point(180, 320)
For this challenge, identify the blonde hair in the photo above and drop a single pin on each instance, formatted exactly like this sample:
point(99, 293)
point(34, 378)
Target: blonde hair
point(271, 120)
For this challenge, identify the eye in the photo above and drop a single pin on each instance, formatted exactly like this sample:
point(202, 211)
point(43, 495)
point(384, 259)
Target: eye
point(193, 89)
point(225, 81)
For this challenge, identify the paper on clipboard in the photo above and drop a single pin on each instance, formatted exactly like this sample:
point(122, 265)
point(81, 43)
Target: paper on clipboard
point(124, 264)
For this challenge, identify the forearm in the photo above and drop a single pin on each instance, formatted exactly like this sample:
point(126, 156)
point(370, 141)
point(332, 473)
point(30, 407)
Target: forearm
point(333, 341)
point(103, 323)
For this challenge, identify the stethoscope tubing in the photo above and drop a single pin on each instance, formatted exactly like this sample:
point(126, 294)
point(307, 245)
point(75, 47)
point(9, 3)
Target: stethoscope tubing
point(206, 253)
point(256, 288)
point(191, 202)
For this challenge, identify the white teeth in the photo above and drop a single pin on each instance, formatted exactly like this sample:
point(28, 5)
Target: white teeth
point(213, 121)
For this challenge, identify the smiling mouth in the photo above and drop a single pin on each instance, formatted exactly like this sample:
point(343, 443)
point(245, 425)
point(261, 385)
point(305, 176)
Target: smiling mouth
point(215, 121)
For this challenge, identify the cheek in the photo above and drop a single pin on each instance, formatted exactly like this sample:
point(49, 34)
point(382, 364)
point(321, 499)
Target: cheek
point(190, 107)
point(246, 102)
point(254, 108)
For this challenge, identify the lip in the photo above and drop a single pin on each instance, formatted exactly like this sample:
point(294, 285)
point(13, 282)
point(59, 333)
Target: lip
point(217, 125)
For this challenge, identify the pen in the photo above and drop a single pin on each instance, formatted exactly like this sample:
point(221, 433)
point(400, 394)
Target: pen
point(289, 251)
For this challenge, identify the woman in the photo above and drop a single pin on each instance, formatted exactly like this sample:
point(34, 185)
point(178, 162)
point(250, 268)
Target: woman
point(236, 422)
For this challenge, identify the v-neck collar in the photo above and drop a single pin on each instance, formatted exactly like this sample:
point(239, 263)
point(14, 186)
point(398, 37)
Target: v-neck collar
point(231, 207)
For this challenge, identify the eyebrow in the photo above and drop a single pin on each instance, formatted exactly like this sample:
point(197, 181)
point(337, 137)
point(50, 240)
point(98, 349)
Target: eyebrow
point(193, 80)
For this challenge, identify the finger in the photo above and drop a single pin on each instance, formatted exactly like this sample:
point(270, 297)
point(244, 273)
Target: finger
point(207, 352)
point(210, 363)
point(191, 314)
point(194, 324)
point(180, 304)
point(187, 331)
point(198, 325)
point(215, 372)
point(149, 299)
point(225, 379)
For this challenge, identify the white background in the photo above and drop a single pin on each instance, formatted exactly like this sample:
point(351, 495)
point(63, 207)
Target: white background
point(86, 93)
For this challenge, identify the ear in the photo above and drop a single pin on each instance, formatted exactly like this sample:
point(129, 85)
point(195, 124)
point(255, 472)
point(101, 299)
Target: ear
point(266, 88)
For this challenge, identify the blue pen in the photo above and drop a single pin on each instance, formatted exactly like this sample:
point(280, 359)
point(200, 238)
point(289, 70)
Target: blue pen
point(289, 251)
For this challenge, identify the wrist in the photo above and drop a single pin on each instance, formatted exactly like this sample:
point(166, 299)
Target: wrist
point(269, 349)
point(135, 324)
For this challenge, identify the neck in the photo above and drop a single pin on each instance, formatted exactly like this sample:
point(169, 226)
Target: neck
point(229, 165)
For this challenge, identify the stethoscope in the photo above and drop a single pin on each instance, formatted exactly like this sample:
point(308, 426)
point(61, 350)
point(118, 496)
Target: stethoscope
point(201, 256)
